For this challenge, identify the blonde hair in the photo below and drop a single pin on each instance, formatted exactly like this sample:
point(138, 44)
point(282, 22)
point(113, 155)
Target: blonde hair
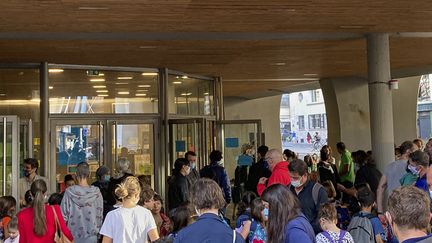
point(128, 188)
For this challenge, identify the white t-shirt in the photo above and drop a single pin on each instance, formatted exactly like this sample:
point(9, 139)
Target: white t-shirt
point(128, 225)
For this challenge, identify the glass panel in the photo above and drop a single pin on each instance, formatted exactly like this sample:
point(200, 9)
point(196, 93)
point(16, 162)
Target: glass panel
point(190, 96)
point(93, 91)
point(75, 144)
point(8, 176)
point(235, 136)
point(135, 143)
point(185, 137)
point(19, 95)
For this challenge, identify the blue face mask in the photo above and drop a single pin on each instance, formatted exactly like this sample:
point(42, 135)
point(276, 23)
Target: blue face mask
point(266, 212)
point(106, 177)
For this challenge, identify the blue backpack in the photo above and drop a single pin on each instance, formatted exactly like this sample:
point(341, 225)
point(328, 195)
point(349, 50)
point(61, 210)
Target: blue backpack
point(257, 233)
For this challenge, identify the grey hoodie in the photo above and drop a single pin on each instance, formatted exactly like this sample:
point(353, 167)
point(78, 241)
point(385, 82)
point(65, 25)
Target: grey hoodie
point(82, 209)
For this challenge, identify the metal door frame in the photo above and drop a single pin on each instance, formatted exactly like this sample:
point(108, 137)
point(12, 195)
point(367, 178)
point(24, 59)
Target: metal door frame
point(14, 156)
point(221, 132)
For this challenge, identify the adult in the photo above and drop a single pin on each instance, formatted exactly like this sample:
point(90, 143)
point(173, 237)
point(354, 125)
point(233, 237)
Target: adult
point(37, 224)
point(31, 167)
point(346, 166)
point(289, 155)
point(123, 172)
point(103, 176)
point(258, 170)
point(366, 171)
point(194, 174)
point(393, 172)
point(279, 169)
point(286, 221)
point(310, 194)
point(178, 187)
point(82, 207)
point(207, 198)
point(419, 143)
point(409, 214)
point(326, 170)
point(130, 222)
point(217, 172)
point(419, 164)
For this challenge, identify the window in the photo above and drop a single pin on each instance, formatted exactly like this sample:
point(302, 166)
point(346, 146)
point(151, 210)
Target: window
point(317, 121)
point(301, 122)
point(316, 95)
point(285, 102)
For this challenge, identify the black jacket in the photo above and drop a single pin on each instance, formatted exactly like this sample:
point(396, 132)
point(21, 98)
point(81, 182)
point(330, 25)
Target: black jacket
point(256, 171)
point(178, 191)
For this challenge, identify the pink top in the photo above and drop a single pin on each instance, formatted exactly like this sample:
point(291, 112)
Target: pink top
point(25, 226)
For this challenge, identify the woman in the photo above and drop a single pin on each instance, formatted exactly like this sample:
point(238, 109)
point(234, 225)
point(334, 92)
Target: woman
point(286, 221)
point(207, 198)
point(37, 222)
point(326, 170)
point(130, 222)
point(178, 190)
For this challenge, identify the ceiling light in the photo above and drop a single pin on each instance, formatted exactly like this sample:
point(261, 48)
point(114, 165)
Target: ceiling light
point(278, 64)
point(184, 77)
point(50, 87)
point(55, 70)
point(149, 74)
point(140, 94)
point(186, 94)
point(142, 90)
point(97, 80)
point(3, 94)
point(206, 93)
point(120, 83)
point(99, 86)
point(124, 77)
point(144, 86)
point(102, 91)
point(310, 74)
point(102, 95)
point(123, 92)
point(177, 82)
point(101, 74)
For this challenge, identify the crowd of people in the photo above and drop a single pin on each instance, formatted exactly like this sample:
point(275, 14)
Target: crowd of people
point(277, 198)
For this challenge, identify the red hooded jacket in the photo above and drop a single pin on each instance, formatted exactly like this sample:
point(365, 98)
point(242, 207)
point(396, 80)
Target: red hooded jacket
point(279, 175)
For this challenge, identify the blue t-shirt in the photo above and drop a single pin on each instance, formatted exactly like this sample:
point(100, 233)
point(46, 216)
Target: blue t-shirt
point(422, 183)
point(414, 240)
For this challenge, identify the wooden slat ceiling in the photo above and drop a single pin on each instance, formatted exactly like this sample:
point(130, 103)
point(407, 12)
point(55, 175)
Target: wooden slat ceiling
point(66, 31)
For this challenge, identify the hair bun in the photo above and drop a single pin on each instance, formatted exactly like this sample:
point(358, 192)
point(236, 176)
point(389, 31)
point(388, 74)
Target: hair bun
point(121, 191)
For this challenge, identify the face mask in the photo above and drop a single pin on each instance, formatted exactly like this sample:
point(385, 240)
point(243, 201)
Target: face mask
point(221, 162)
point(193, 165)
point(26, 173)
point(430, 194)
point(356, 167)
point(296, 184)
point(188, 170)
point(413, 170)
point(106, 178)
point(266, 212)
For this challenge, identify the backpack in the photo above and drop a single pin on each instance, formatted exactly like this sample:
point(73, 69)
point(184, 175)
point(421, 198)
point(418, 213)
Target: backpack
point(361, 229)
point(330, 239)
point(257, 233)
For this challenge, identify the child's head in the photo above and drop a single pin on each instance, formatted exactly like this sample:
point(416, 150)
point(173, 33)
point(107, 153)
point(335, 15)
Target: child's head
point(327, 214)
point(246, 201)
point(13, 228)
point(28, 198)
point(146, 196)
point(258, 210)
point(158, 202)
point(7, 206)
point(329, 187)
point(129, 189)
point(365, 197)
point(55, 199)
point(181, 217)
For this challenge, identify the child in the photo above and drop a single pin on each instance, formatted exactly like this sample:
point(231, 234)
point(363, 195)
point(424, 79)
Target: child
point(327, 217)
point(13, 231)
point(244, 209)
point(7, 210)
point(254, 229)
point(364, 225)
point(163, 223)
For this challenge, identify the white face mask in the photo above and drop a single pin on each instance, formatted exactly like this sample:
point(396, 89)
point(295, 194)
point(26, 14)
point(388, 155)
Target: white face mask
point(430, 194)
point(296, 183)
point(221, 162)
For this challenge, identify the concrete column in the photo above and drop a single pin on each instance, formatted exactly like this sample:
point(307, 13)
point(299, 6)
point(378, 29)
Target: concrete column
point(380, 99)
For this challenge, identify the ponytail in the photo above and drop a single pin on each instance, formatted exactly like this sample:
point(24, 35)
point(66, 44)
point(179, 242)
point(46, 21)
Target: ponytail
point(38, 189)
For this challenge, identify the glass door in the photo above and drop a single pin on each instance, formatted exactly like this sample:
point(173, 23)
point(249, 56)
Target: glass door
point(134, 140)
point(72, 142)
point(9, 155)
point(234, 135)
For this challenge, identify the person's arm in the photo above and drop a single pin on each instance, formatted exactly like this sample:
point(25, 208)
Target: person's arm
point(6, 226)
point(107, 239)
point(226, 186)
point(261, 186)
point(64, 206)
point(184, 191)
point(344, 165)
point(350, 191)
point(153, 235)
point(99, 211)
point(382, 186)
point(378, 239)
point(63, 226)
point(246, 229)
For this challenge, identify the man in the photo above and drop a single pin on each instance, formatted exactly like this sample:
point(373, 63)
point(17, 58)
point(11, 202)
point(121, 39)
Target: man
point(409, 214)
point(31, 166)
point(310, 194)
point(82, 207)
point(258, 170)
point(217, 172)
point(393, 172)
point(103, 176)
point(346, 166)
point(279, 171)
point(194, 174)
point(419, 164)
